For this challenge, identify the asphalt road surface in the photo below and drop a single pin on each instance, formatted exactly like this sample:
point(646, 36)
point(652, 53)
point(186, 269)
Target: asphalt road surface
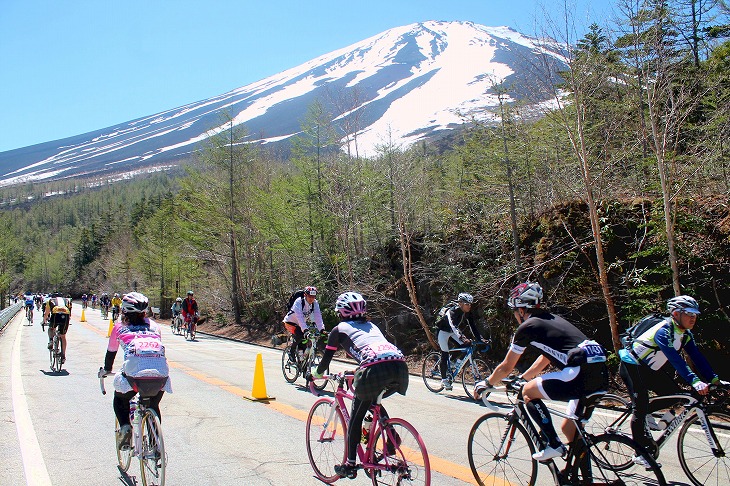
point(58, 429)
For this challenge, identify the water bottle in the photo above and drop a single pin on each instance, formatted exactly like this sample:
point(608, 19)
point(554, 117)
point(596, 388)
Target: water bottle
point(366, 427)
point(457, 364)
point(666, 419)
point(133, 417)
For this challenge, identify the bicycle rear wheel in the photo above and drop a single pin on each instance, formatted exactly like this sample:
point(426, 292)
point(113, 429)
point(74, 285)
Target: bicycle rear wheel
point(400, 455)
point(500, 451)
point(124, 455)
point(152, 459)
point(473, 373)
point(593, 464)
point(289, 367)
point(699, 462)
point(431, 373)
point(326, 439)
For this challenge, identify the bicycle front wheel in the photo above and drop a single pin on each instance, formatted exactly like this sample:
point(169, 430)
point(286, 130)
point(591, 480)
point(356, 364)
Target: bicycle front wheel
point(612, 414)
point(431, 373)
point(289, 367)
point(326, 439)
point(152, 459)
point(319, 384)
point(400, 455)
point(500, 451)
point(124, 455)
point(593, 464)
point(473, 373)
point(700, 463)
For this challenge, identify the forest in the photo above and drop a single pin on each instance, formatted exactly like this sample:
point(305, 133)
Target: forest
point(614, 197)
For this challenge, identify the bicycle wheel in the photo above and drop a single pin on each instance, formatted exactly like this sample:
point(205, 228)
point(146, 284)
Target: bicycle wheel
point(472, 373)
point(700, 463)
point(431, 373)
point(612, 414)
point(152, 459)
point(289, 367)
point(500, 451)
point(326, 439)
point(124, 456)
point(593, 465)
point(319, 384)
point(400, 455)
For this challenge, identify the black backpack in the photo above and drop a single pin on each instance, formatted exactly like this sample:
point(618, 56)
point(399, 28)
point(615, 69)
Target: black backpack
point(293, 297)
point(643, 325)
point(441, 314)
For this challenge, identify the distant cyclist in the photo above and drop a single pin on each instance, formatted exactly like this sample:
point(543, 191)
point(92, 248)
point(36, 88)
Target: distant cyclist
point(105, 302)
point(84, 301)
point(304, 310)
point(643, 365)
point(116, 306)
point(29, 302)
point(144, 360)
point(450, 326)
point(176, 308)
point(57, 315)
point(381, 367)
point(190, 311)
point(93, 301)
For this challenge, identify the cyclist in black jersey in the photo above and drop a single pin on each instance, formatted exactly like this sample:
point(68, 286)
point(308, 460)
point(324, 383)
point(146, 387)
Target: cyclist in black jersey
point(580, 361)
point(450, 326)
point(381, 366)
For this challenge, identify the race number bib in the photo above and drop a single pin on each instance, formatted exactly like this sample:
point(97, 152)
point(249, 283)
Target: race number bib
point(147, 347)
point(593, 352)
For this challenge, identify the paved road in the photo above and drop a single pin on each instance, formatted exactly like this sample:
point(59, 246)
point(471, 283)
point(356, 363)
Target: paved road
point(58, 428)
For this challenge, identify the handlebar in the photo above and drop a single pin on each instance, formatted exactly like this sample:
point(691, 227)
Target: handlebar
point(339, 378)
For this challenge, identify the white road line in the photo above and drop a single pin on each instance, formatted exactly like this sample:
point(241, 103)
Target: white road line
point(36, 473)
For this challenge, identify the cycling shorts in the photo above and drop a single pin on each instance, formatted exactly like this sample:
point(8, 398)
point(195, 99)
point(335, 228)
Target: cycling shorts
point(573, 382)
point(59, 322)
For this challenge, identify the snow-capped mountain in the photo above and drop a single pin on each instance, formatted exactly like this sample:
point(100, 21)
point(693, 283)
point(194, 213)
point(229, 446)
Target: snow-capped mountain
point(403, 85)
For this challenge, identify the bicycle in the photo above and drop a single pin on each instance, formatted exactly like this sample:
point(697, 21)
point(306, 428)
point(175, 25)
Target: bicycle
point(147, 442)
point(29, 315)
point(501, 445)
point(190, 324)
point(176, 324)
point(302, 365)
point(391, 452)
point(702, 440)
point(56, 353)
point(471, 369)
point(104, 311)
point(115, 313)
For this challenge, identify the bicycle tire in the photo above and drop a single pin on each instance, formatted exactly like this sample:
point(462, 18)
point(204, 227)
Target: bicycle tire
point(152, 458)
point(472, 373)
point(593, 465)
point(124, 456)
point(56, 364)
point(698, 461)
point(289, 367)
point(326, 441)
point(401, 456)
point(612, 414)
point(488, 460)
point(431, 373)
point(319, 384)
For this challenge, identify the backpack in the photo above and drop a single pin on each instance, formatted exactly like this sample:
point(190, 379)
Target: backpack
point(643, 325)
point(293, 297)
point(441, 314)
point(59, 306)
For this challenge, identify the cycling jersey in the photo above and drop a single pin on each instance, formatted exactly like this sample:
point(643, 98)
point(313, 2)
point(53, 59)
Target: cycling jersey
point(363, 341)
point(116, 302)
point(663, 342)
point(144, 353)
point(302, 311)
point(455, 319)
point(189, 307)
point(176, 308)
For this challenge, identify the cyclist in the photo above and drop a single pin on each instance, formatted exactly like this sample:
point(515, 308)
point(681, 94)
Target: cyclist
point(642, 363)
point(93, 301)
point(304, 309)
point(116, 304)
point(105, 302)
point(144, 359)
point(57, 315)
point(449, 327)
point(176, 307)
point(28, 297)
point(581, 364)
point(84, 301)
point(190, 311)
point(381, 366)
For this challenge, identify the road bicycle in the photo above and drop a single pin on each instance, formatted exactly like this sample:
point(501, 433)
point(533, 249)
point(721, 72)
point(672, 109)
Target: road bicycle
point(29, 315)
point(177, 324)
point(115, 313)
point(56, 353)
point(304, 363)
point(501, 445)
point(190, 327)
point(704, 430)
point(470, 369)
point(104, 311)
point(391, 451)
point(147, 443)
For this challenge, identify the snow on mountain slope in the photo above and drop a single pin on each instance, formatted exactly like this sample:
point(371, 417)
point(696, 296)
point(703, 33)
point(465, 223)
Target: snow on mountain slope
point(404, 85)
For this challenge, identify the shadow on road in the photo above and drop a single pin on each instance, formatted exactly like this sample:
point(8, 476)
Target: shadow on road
point(55, 373)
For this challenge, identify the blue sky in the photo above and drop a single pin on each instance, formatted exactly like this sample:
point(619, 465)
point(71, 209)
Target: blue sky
point(72, 66)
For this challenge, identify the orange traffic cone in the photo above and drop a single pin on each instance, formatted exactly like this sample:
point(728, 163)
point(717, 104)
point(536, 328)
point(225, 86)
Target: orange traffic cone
point(111, 326)
point(83, 315)
point(258, 390)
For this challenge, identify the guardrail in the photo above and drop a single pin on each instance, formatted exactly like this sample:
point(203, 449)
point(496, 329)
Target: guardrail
point(8, 313)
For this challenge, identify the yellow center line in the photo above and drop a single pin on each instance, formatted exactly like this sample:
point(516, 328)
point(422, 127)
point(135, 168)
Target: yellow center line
point(438, 464)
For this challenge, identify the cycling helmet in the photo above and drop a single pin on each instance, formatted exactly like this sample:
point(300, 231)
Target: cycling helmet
point(528, 294)
point(134, 302)
point(311, 290)
point(116, 294)
point(351, 304)
point(179, 299)
point(466, 298)
point(190, 292)
point(683, 303)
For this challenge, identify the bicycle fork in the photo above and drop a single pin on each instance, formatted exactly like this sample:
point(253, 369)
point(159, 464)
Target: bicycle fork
point(714, 444)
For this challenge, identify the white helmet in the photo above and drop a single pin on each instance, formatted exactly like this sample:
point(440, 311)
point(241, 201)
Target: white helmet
point(528, 295)
point(134, 302)
point(351, 304)
point(683, 303)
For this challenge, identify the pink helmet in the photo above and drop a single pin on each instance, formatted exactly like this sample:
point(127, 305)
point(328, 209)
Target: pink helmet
point(311, 290)
point(351, 304)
